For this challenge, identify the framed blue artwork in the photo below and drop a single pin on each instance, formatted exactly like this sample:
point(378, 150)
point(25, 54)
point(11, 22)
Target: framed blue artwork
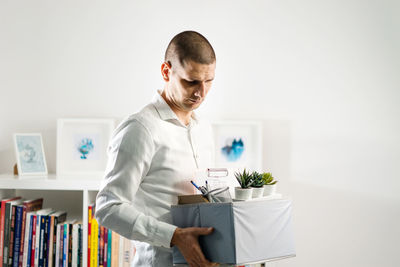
point(30, 154)
point(238, 144)
point(82, 146)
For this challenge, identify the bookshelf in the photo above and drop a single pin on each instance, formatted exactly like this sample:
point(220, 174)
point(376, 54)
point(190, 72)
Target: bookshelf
point(70, 193)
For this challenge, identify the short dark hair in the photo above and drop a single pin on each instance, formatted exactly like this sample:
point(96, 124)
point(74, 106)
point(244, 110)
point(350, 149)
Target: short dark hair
point(190, 45)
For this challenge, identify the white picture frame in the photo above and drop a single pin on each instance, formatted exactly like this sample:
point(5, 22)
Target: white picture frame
point(82, 146)
point(29, 150)
point(238, 145)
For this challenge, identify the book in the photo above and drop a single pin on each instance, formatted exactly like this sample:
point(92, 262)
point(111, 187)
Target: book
point(41, 216)
point(94, 243)
point(75, 244)
point(114, 249)
point(121, 251)
point(2, 224)
point(70, 228)
point(101, 246)
point(65, 245)
point(31, 257)
point(27, 238)
point(57, 255)
point(28, 205)
point(80, 249)
point(7, 229)
point(89, 252)
point(67, 242)
point(127, 252)
point(60, 248)
point(46, 240)
point(56, 218)
point(17, 234)
point(109, 242)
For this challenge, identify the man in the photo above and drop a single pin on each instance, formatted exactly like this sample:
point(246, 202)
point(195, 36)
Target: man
point(153, 156)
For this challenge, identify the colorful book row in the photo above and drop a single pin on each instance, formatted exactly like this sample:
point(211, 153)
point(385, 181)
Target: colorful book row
point(105, 247)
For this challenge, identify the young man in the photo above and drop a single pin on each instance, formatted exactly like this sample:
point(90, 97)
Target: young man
point(154, 154)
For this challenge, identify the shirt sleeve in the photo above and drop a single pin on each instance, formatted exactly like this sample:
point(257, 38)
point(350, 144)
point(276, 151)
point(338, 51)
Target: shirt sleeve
point(129, 158)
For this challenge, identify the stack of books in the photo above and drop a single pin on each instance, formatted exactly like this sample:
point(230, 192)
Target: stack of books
point(106, 248)
point(33, 236)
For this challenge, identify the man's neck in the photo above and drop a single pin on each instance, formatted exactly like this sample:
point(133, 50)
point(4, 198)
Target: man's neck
point(183, 116)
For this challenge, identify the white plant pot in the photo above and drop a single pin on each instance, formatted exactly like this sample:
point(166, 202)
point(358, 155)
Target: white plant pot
point(258, 192)
point(243, 194)
point(269, 190)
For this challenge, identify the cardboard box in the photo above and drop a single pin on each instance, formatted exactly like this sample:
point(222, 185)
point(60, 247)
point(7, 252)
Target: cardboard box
point(191, 199)
point(244, 232)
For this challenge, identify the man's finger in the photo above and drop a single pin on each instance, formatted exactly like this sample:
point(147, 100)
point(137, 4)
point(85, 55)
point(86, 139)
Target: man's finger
point(202, 230)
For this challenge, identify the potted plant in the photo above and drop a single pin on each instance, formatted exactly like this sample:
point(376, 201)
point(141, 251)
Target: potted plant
point(257, 184)
point(269, 184)
point(244, 191)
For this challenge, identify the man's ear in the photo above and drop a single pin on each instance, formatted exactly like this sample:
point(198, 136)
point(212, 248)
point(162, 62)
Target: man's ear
point(165, 71)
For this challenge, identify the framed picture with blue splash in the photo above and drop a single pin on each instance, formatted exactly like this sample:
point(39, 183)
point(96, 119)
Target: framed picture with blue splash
point(238, 144)
point(30, 154)
point(82, 146)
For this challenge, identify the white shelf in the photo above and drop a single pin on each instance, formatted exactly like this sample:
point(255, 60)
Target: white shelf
point(50, 182)
point(88, 185)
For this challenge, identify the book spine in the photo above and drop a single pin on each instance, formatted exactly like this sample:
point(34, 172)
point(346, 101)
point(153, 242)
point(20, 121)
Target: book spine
point(17, 235)
point(75, 245)
point(80, 234)
point(65, 241)
point(33, 245)
point(109, 243)
point(46, 241)
point(6, 244)
point(101, 246)
point(95, 241)
point(26, 239)
point(57, 257)
point(61, 245)
point(121, 251)
point(2, 224)
point(114, 249)
point(50, 242)
point(22, 241)
point(41, 241)
point(105, 247)
point(27, 261)
point(55, 230)
point(37, 243)
point(89, 242)
point(12, 233)
point(70, 245)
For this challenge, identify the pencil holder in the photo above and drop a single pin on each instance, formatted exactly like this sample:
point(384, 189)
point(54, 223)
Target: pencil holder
point(219, 195)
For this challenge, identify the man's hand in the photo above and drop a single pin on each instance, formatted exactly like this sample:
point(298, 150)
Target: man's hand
point(186, 239)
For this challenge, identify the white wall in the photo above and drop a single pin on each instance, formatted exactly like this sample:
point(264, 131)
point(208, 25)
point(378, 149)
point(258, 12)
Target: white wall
point(321, 75)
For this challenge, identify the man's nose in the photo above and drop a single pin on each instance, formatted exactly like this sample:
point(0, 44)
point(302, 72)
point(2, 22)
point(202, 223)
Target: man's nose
point(201, 90)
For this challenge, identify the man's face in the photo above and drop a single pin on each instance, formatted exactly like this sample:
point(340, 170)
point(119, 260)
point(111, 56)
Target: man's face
point(189, 84)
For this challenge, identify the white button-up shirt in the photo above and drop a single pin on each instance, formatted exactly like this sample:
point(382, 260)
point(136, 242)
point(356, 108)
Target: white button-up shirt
point(152, 158)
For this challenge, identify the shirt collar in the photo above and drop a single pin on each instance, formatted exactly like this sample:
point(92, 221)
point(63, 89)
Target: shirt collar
point(165, 111)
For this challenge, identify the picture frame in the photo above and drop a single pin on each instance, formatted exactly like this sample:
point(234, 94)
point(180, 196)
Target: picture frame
point(238, 145)
point(82, 146)
point(29, 150)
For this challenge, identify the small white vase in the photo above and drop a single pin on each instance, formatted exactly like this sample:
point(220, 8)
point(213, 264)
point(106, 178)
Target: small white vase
point(258, 192)
point(269, 190)
point(243, 193)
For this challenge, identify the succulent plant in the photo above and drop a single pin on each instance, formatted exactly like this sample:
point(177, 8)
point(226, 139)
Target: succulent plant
point(258, 179)
point(244, 178)
point(268, 179)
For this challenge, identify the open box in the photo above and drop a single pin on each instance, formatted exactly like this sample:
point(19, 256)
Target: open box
point(244, 232)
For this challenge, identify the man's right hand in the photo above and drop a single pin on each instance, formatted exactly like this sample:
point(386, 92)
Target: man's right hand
point(186, 239)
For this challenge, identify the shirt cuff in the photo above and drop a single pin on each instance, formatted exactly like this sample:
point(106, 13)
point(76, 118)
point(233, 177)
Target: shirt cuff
point(163, 234)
